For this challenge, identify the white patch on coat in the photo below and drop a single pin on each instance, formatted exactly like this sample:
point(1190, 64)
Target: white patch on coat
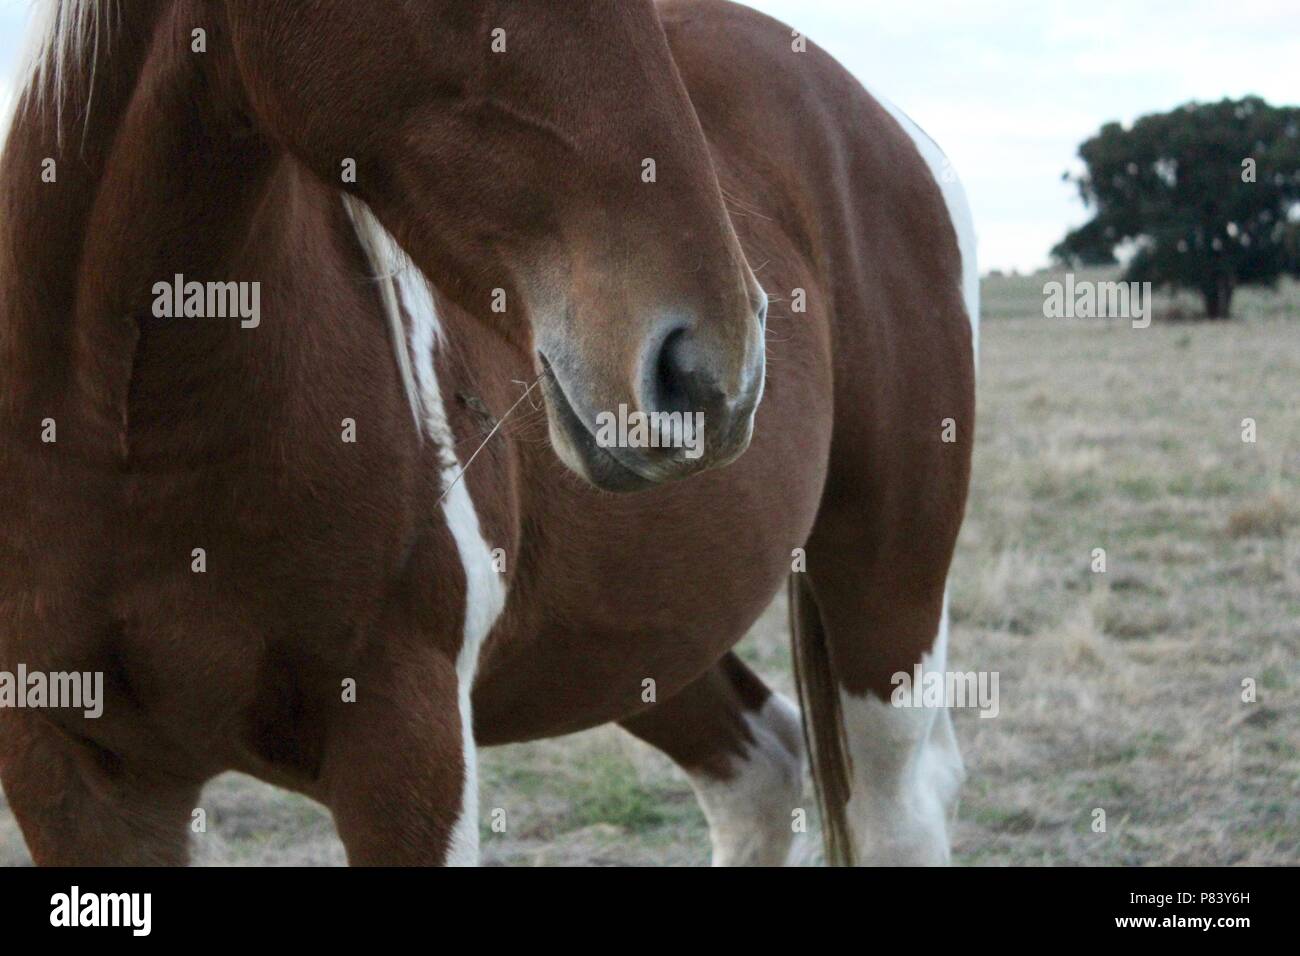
point(954, 196)
point(750, 813)
point(485, 592)
point(484, 601)
point(906, 774)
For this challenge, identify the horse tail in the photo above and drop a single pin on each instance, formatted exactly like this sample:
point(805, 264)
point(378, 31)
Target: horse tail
point(823, 723)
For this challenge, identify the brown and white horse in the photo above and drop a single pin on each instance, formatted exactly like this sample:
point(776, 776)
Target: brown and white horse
point(266, 535)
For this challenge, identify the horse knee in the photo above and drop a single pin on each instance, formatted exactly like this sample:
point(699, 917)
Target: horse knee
point(903, 788)
point(888, 775)
point(750, 811)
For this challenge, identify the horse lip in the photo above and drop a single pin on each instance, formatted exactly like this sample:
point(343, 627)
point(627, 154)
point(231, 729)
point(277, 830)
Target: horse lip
point(607, 470)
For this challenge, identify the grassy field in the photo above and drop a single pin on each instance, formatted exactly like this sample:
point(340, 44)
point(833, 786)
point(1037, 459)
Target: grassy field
point(1119, 690)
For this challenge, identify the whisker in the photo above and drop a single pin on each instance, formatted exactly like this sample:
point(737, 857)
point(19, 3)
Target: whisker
point(743, 207)
point(495, 428)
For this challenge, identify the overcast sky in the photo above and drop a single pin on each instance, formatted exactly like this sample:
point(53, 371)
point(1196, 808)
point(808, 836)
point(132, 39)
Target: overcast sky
point(1009, 88)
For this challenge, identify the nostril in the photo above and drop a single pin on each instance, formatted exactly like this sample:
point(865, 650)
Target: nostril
point(672, 378)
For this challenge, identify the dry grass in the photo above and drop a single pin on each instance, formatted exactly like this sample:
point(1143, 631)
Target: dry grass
point(1120, 691)
point(1123, 690)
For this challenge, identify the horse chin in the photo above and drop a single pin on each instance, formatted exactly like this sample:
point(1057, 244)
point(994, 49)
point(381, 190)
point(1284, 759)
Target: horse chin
point(598, 467)
point(578, 449)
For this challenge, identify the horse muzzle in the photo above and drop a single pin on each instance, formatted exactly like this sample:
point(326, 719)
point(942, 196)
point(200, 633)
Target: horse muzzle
point(682, 420)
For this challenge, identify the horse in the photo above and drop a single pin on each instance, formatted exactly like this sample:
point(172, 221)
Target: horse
point(342, 538)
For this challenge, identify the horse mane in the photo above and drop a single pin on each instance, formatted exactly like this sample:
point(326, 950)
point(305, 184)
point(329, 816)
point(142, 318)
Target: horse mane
point(65, 42)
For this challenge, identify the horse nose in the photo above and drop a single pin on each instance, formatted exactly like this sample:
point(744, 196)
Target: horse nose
point(682, 379)
point(685, 375)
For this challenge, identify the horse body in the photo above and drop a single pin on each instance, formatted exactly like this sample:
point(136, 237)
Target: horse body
point(886, 340)
point(373, 565)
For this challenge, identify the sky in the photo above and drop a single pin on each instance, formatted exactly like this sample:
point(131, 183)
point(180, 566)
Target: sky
point(1010, 88)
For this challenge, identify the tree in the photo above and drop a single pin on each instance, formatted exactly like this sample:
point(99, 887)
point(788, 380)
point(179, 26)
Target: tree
point(1205, 197)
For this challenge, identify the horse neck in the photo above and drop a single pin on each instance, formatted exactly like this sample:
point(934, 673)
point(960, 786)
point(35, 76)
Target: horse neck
point(146, 187)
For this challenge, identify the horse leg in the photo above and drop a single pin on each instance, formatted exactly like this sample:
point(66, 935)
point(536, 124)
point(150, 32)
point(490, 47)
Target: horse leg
point(79, 805)
point(888, 775)
point(398, 772)
point(741, 747)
